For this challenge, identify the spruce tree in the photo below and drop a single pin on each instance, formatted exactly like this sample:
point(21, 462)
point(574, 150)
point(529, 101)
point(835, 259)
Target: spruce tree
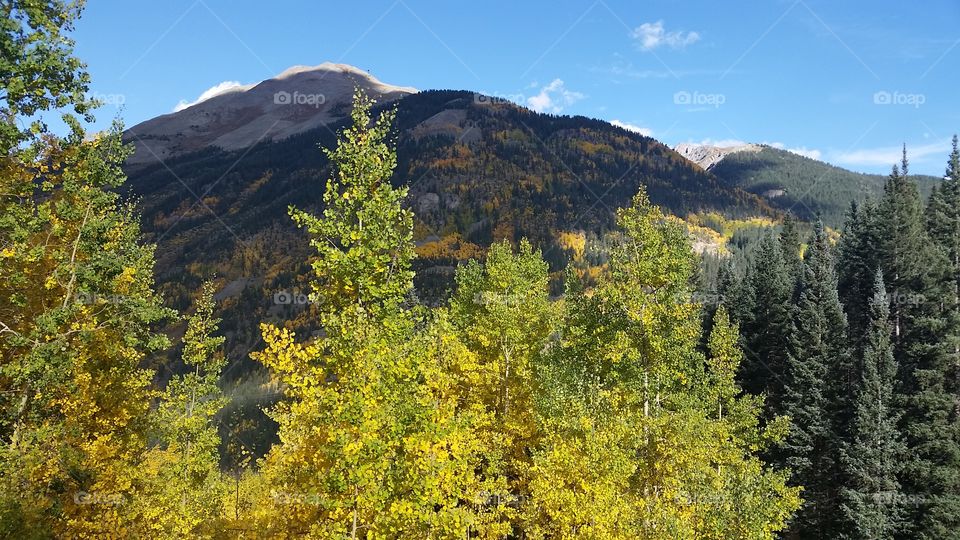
point(791, 247)
point(818, 379)
point(871, 499)
point(903, 242)
point(943, 215)
point(858, 258)
point(736, 293)
point(943, 226)
point(918, 278)
point(766, 332)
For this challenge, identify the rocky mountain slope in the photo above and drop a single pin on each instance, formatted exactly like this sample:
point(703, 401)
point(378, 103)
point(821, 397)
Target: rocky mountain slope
point(706, 156)
point(298, 100)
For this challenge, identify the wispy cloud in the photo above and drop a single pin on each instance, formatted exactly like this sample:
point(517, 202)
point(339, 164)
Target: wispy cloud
point(889, 155)
point(647, 132)
point(628, 70)
point(553, 98)
point(650, 36)
point(811, 153)
point(216, 90)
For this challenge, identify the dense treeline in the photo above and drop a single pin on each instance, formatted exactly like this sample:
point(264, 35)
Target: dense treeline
point(857, 345)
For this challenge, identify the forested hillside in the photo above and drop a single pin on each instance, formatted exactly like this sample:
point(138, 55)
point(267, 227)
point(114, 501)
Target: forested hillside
point(478, 172)
point(803, 186)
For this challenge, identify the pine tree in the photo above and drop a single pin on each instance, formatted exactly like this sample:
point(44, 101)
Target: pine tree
point(859, 255)
point(918, 277)
point(872, 501)
point(943, 226)
point(790, 246)
point(818, 379)
point(766, 332)
point(736, 292)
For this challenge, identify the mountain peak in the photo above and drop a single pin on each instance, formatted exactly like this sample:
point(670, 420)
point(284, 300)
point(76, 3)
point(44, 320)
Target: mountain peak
point(708, 155)
point(299, 99)
point(327, 68)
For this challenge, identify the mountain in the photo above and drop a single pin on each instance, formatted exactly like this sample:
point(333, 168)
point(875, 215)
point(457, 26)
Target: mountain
point(706, 156)
point(479, 169)
point(298, 100)
point(791, 182)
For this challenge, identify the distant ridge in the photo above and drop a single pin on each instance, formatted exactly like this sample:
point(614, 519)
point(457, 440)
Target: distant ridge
point(791, 182)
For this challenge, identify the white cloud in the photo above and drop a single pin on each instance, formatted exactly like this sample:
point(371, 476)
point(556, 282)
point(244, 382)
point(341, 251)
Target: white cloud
point(553, 98)
point(633, 127)
point(216, 90)
point(811, 153)
point(890, 155)
point(721, 143)
point(652, 35)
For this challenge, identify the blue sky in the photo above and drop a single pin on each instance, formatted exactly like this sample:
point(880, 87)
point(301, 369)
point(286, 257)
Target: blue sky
point(847, 82)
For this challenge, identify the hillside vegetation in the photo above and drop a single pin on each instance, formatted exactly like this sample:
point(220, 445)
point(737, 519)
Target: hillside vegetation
point(809, 187)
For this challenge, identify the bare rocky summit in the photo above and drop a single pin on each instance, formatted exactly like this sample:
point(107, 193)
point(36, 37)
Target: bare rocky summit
point(706, 156)
point(297, 100)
